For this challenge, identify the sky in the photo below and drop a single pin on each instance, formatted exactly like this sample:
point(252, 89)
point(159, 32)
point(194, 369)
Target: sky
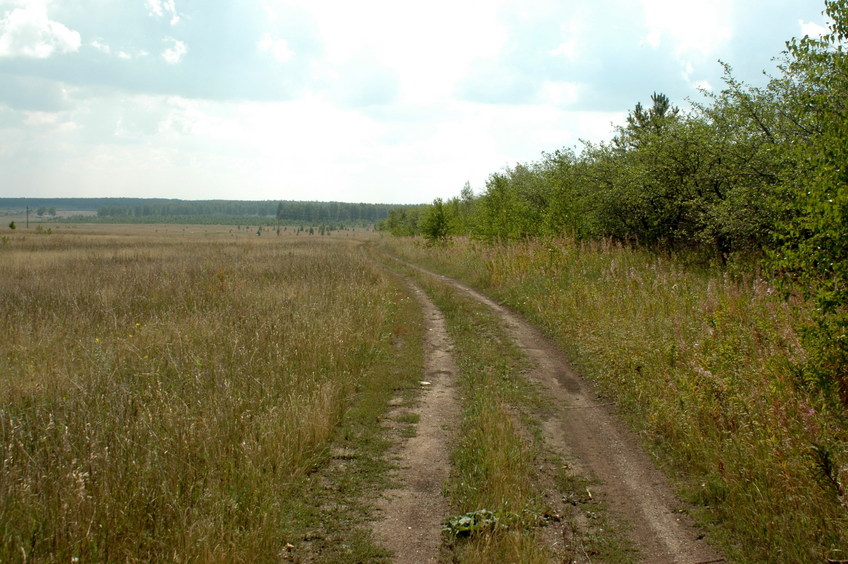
point(379, 101)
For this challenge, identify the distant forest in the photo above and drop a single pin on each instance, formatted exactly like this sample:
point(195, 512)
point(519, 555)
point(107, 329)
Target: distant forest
point(144, 210)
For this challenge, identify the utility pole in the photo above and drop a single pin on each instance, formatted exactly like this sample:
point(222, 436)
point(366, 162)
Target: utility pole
point(27, 217)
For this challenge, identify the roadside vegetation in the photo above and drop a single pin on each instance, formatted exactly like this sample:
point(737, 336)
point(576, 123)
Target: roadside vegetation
point(696, 266)
point(167, 396)
point(707, 365)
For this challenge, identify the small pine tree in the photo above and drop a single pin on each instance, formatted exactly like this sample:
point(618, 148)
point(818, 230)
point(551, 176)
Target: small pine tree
point(12, 226)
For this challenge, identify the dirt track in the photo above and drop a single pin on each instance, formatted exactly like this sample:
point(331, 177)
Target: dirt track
point(411, 516)
point(582, 430)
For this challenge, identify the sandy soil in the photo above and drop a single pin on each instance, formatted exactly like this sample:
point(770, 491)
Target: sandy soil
point(583, 431)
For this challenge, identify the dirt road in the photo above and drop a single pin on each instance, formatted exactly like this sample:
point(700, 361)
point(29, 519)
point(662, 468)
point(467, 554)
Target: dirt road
point(582, 430)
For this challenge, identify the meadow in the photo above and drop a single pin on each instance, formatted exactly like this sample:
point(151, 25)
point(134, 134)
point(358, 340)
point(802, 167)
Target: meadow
point(167, 393)
point(180, 393)
point(704, 363)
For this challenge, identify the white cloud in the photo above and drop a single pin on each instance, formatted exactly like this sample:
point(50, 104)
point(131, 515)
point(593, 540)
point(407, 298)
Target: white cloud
point(692, 27)
point(302, 149)
point(101, 46)
point(28, 32)
point(106, 49)
point(559, 94)
point(653, 39)
point(693, 32)
point(812, 29)
point(40, 118)
point(429, 46)
point(568, 49)
point(175, 53)
point(162, 8)
point(49, 122)
point(279, 48)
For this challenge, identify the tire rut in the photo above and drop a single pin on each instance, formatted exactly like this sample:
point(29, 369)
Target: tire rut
point(410, 516)
point(599, 446)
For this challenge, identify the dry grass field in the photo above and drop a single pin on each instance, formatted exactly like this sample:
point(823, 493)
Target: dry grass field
point(164, 389)
point(176, 393)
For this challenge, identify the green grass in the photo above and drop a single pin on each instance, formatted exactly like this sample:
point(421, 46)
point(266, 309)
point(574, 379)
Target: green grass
point(409, 418)
point(174, 396)
point(704, 363)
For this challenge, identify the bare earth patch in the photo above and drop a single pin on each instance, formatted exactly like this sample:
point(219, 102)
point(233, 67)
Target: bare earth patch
point(410, 516)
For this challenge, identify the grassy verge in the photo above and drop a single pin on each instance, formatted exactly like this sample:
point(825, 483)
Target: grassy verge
point(502, 471)
point(702, 362)
point(169, 396)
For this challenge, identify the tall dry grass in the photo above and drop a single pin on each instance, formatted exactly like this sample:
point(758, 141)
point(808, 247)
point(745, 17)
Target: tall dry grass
point(705, 364)
point(162, 393)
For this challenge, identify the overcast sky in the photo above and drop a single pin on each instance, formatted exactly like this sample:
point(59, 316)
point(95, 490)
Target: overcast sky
point(367, 101)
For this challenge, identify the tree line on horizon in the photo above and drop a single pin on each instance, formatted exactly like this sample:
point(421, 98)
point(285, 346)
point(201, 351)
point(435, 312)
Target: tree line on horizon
point(192, 211)
point(753, 171)
point(284, 211)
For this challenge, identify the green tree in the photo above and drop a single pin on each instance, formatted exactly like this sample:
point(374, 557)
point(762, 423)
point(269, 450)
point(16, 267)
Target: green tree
point(435, 224)
point(566, 210)
point(814, 250)
point(463, 210)
point(653, 121)
point(402, 221)
point(638, 183)
point(497, 208)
